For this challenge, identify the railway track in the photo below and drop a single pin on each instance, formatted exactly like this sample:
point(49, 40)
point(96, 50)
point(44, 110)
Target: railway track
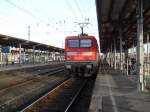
point(59, 99)
point(28, 80)
point(8, 104)
point(50, 71)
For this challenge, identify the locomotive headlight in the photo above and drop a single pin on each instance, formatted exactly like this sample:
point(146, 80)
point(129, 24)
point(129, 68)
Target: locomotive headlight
point(87, 53)
point(71, 53)
point(89, 66)
point(68, 66)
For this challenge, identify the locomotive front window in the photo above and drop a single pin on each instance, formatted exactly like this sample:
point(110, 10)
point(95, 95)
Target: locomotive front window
point(85, 43)
point(73, 43)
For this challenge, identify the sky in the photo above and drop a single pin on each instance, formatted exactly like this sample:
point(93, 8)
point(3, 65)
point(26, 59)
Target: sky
point(50, 21)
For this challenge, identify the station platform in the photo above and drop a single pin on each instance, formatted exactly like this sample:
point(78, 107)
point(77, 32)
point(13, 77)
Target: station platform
point(117, 92)
point(21, 66)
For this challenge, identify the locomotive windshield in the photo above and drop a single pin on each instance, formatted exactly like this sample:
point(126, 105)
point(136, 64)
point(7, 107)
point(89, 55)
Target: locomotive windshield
point(85, 43)
point(79, 43)
point(73, 43)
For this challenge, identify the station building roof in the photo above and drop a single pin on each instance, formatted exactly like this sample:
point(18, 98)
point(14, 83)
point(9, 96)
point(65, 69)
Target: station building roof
point(112, 14)
point(6, 40)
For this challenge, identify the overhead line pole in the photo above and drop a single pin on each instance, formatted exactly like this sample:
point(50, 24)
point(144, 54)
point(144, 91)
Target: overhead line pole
point(29, 30)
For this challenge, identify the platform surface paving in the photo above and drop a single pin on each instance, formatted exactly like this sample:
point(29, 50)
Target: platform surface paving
point(115, 92)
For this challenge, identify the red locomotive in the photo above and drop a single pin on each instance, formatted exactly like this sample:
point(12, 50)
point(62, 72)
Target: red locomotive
point(81, 55)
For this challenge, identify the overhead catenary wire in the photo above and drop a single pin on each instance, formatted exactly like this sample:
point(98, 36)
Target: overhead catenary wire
point(30, 14)
point(25, 11)
point(83, 7)
point(71, 9)
point(44, 14)
point(78, 7)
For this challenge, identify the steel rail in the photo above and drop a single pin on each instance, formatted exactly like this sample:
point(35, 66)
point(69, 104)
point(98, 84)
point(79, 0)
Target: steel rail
point(49, 70)
point(45, 95)
point(20, 84)
point(75, 97)
point(31, 79)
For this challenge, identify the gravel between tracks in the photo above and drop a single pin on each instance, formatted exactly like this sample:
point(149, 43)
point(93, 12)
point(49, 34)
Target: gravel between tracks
point(18, 88)
point(11, 79)
point(15, 97)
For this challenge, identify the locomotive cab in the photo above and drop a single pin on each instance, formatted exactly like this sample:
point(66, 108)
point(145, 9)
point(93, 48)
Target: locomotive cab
point(81, 55)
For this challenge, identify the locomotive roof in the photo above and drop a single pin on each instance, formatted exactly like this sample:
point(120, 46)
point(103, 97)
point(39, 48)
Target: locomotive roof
point(74, 37)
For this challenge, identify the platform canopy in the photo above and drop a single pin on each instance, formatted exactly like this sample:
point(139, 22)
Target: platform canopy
point(6, 40)
point(114, 15)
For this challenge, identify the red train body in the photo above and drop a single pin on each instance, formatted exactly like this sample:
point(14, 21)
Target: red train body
point(81, 55)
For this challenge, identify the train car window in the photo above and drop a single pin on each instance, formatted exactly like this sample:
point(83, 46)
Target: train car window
point(73, 43)
point(85, 43)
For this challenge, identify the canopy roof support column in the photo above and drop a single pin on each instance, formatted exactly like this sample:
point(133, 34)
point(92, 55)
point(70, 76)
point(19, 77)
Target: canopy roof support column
point(1, 59)
point(140, 53)
point(126, 60)
point(111, 56)
point(120, 36)
point(148, 54)
point(33, 54)
point(20, 54)
point(109, 59)
point(114, 53)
